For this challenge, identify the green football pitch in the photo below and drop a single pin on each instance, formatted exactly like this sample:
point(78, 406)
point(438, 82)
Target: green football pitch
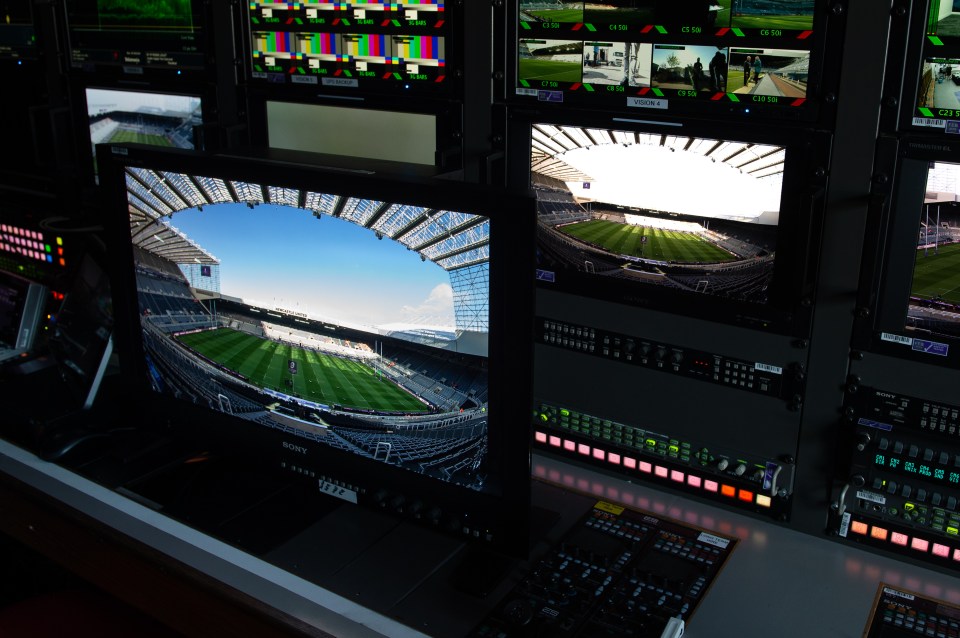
point(800, 23)
point(664, 245)
point(122, 135)
point(556, 15)
point(534, 69)
point(938, 276)
point(320, 378)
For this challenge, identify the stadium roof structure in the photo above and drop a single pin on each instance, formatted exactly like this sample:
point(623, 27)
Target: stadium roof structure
point(451, 239)
point(550, 143)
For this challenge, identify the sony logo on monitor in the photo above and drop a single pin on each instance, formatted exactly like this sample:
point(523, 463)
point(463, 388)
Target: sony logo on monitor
point(295, 448)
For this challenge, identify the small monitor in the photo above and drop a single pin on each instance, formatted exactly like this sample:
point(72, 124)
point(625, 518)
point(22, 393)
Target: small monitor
point(128, 37)
point(685, 221)
point(931, 94)
point(370, 334)
point(910, 281)
point(357, 48)
point(21, 305)
point(659, 56)
point(157, 119)
point(18, 37)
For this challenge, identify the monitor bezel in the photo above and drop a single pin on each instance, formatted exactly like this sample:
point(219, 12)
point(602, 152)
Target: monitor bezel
point(818, 107)
point(790, 308)
point(890, 251)
point(908, 46)
point(86, 148)
point(503, 508)
point(142, 73)
point(379, 93)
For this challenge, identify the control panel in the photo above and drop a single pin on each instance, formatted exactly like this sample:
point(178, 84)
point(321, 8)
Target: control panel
point(617, 572)
point(785, 382)
point(899, 613)
point(903, 486)
point(731, 476)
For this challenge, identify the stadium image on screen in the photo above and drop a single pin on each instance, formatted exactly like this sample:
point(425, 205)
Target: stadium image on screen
point(145, 118)
point(547, 11)
point(769, 72)
point(772, 14)
point(935, 292)
point(693, 214)
point(359, 324)
point(545, 61)
point(940, 86)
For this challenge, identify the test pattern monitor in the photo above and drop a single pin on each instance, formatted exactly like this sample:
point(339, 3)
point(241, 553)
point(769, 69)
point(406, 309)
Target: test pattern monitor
point(369, 334)
point(357, 48)
point(661, 56)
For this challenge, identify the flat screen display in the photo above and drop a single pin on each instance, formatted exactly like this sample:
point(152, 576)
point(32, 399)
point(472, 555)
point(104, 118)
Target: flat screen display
point(18, 38)
point(158, 119)
point(934, 305)
point(937, 103)
point(349, 325)
point(359, 324)
point(132, 36)
point(378, 45)
point(660, 55)
point(625, 213)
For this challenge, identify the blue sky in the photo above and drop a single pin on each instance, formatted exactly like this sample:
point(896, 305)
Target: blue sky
point(284, 257)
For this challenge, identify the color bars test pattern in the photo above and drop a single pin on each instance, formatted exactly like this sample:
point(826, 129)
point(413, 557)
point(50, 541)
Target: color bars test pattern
point(389, 49)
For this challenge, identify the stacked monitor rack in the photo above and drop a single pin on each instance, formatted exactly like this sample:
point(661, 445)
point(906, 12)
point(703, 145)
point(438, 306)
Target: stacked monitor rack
point(900, 464)
point(680, 161)
point(746, 220)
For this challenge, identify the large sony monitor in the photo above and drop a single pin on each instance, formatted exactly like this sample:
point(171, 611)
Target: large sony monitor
point(370, 334)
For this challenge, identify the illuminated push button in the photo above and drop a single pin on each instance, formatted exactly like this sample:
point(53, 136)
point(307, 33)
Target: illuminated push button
point(898, 447)
point(740, 469)
point(928, 455)
point(892, 487)
point(944, 458)
point(921, 495)
point(936, 499)
point(952, 503)
point(723, 464)
point(884, 443)
point(907, 491)
point(914, 451)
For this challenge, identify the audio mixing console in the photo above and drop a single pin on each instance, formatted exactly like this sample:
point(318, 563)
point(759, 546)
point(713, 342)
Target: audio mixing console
point(617, 572)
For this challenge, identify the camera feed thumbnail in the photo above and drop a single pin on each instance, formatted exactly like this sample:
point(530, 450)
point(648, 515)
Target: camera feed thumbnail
point(359, 324)
point(695, 215)
point(769, 72)
point(550, 61)
point(775, 15)
point(935, 292)
point(689, 67)
point(939, 89)
point(944, 19)
point(157, 119)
